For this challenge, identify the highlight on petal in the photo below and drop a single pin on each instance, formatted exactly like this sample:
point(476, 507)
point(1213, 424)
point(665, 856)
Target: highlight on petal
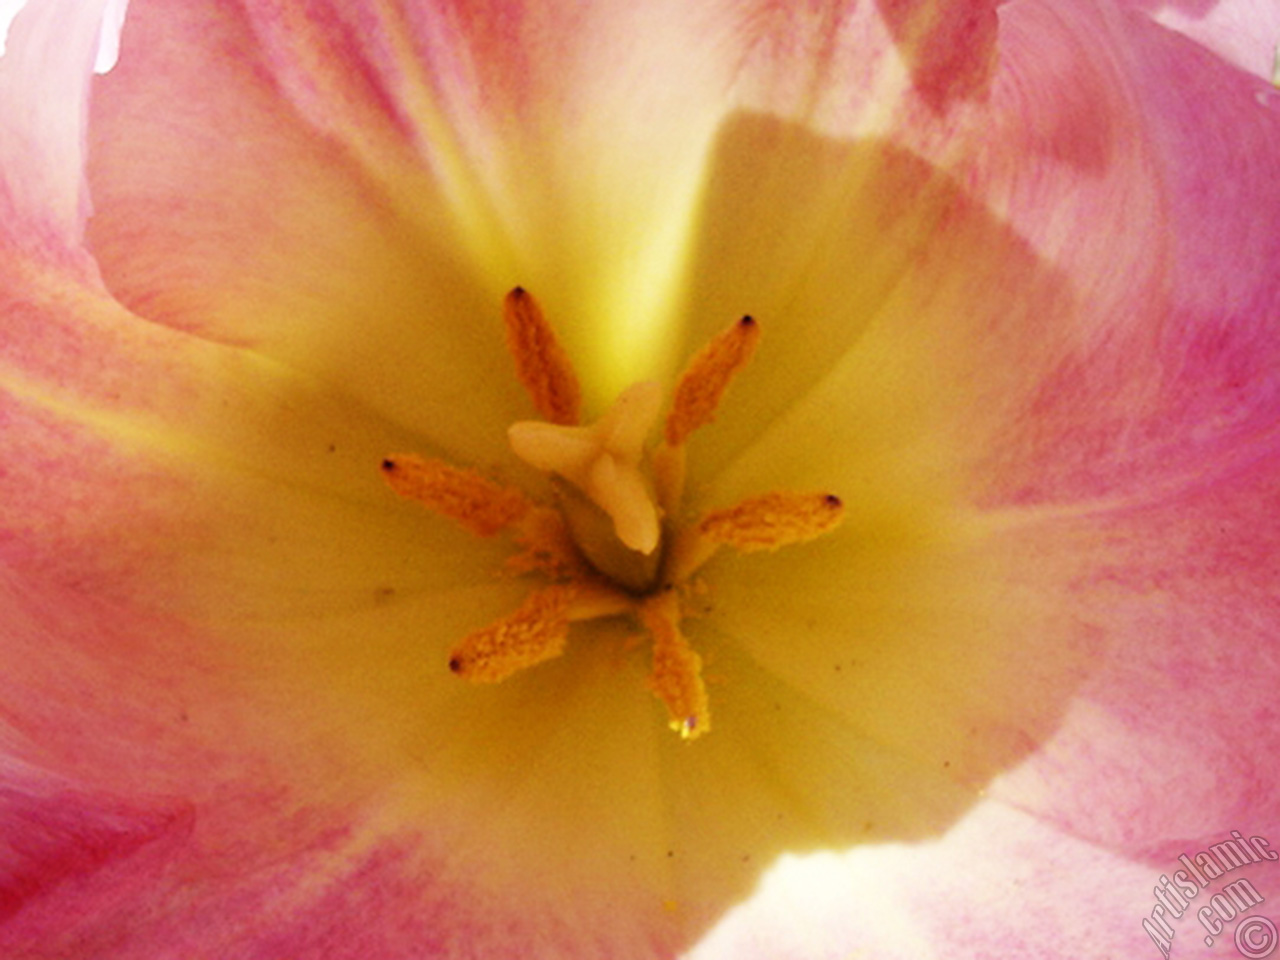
point(1243, 32)
point(8, 10)
point(49, 46)
point(949, 897)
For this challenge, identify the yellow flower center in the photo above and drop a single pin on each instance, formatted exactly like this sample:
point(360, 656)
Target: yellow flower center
point(612, 544)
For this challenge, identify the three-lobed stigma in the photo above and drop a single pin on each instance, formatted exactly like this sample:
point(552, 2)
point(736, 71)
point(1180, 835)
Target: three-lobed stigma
point(611, 543)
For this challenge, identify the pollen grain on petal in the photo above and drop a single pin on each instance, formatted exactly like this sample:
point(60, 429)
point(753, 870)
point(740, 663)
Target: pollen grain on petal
point(542, 365)
point(483, 507)
point(705, 380)
point(773, 520)
point(537, 631)
point(677, 670)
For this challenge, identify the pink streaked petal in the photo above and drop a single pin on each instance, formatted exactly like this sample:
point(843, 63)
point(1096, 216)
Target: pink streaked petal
point(275, 239)
point(44, 85)
point(258, 875)
point(59, 839)
point(845, 67)
point(1163, 192)
point(949, 47)
point(1136, 437)
point(403, 162)
point(508, 136)
point(1183, 588)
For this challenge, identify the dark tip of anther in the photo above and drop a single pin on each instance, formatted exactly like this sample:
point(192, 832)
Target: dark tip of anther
point(455, 664)
point(833, 501)
point(388, 464)
point(518, 291)
point(747, 321)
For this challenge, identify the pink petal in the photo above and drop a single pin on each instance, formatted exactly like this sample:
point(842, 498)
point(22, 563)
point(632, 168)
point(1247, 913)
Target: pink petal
point(1243, 32)
point(390, 166)
point(1147, 454)
point(1183, 589)
point(950, 48)
point(44, 83)
point(1171, 360)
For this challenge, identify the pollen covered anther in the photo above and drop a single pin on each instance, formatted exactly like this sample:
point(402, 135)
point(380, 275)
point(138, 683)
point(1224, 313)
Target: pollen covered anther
point(765, 522)
point(483, 507)
point(676, 679)
point(707, 377)
point(537, 631)
point(542, 366)
point(773, 520)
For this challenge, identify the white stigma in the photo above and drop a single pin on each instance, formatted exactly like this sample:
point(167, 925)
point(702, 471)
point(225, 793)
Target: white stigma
point(603, 461)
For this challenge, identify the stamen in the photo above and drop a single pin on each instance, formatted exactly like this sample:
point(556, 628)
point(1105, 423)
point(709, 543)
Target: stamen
point(480, 505)
point(542, 365)
point(534, 633)
point(773, 520)
point(677, 669)
point(704, 381)
point(537, 631)
point(758, 523)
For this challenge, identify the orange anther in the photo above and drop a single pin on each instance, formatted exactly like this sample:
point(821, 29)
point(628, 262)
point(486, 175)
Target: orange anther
point(482, 506)
point(542, 365)
point(707, 377)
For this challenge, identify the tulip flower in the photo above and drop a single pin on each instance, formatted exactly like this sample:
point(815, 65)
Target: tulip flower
point(408, 549)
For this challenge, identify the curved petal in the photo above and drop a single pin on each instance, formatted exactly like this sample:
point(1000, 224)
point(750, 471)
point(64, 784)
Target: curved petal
point(276, 239)
point(50, 53)
point(920, 630)
point(486, 167)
